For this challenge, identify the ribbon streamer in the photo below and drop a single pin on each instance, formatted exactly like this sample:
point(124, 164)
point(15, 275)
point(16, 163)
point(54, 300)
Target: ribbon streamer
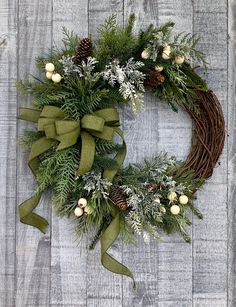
point(108, 238)
point(113, 230)
point(101, 124)
point(27, 216)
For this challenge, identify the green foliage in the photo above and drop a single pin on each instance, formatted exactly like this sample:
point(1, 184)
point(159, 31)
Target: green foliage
point(98, 233)
point(135, 174)
point(29, 137)
point(194, 81)
point(166, 30)
point(79, 97)
point(185, 44)
point(180, 87)
point(102, 162)
point(40, 91)
point(71, 41)
point(144, 38)
point(182, 44)
point(58, 171)
point(96, 191)
point(160, 38)
point(115, 42)
point(106, 147)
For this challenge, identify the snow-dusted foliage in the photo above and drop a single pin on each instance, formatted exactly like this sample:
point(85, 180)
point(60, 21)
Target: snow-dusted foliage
point(129, 79)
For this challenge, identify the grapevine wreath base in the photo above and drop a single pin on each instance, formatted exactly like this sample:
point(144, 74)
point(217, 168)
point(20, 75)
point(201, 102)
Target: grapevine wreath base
point(73, 152)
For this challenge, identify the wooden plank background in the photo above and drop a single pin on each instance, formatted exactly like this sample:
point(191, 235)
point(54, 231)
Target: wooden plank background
point(52, 270)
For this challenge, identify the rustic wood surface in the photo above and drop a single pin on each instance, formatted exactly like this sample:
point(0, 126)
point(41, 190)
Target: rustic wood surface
point(52, 270)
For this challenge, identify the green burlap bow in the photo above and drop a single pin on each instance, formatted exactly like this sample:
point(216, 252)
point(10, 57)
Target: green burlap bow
point(51, 120)
point(102, 124)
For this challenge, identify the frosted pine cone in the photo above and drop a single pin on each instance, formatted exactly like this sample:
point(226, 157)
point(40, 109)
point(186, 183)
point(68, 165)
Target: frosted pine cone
point(119, 198)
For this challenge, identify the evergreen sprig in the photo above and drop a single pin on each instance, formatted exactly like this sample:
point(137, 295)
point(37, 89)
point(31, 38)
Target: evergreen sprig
point(115, 41)
point(58, 170)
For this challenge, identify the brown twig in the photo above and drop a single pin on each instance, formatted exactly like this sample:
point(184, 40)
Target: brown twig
point(208, 135)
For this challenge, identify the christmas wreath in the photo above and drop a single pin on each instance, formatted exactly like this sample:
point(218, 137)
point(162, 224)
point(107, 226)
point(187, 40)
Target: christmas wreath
point(74, 151)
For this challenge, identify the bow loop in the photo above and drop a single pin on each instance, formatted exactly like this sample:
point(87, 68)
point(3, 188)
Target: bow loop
point(66, 126)
point(110, 116)
point(43, 121)
point(50, 131)
point(92, 123)
point(52, 112)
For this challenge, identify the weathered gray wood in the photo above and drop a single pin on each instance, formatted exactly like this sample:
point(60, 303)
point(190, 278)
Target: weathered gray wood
point(68, 266)
point(169, 273)
point(231, 154)
point(8, 174)
point(210, 235)
point(104, 288)
point(162, 266)
point(68, 257)
point(32, 248)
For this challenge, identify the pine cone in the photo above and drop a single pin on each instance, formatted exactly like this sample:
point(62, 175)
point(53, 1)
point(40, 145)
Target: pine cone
point(155, 78)
point(119, 198)
point(153, 186)
point(84, 50)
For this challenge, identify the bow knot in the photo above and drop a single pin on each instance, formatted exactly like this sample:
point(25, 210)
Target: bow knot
point(52, 121)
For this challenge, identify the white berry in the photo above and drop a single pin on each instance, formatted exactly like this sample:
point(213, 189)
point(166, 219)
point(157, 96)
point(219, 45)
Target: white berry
point(82, 202)
point(163, 209)
point(183, 199)
point(157, 200)
point(179, 59)
point(145, 54)
point(167, 49)
point(165, 56)
point(166, 53)
point(88, 210)
point(159, 68)
point(49, 75)
point(171, 196)
point(56, 78)
point(78, 211)
point(175, 210)
point(50, 67)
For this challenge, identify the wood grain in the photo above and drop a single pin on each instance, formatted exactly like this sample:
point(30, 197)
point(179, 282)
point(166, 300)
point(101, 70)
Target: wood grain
point(231, 153)
point(210, 235)
point(8, 174)
point(32, 248)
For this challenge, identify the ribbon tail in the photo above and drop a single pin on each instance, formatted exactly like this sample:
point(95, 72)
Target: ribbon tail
point(87, 153)
point(108, 238)
point(29, 115)
point(27, 216)
point(38, 147)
